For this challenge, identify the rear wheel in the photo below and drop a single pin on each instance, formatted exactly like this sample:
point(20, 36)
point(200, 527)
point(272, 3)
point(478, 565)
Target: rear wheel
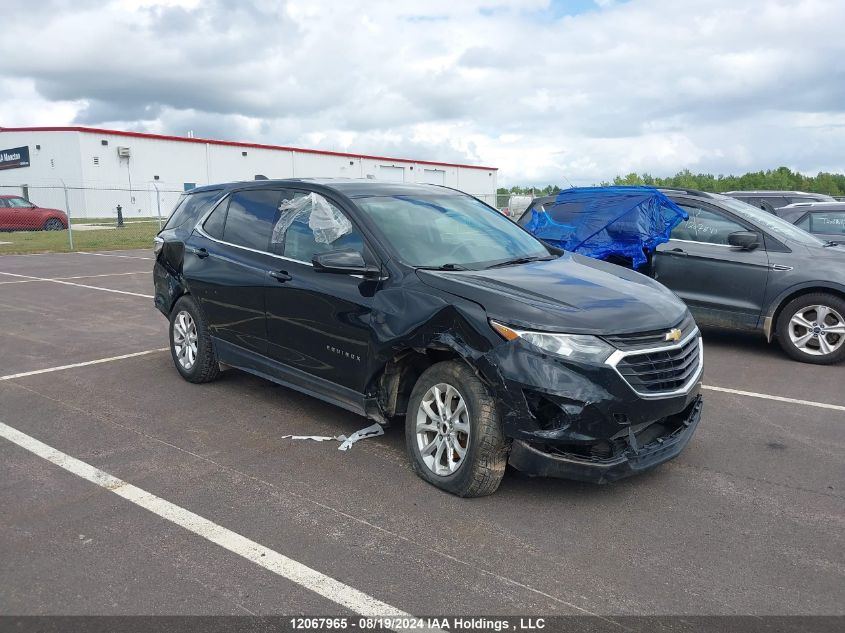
point(53, 224)
point(190, 343)
point(453, 433)
point(811, 329)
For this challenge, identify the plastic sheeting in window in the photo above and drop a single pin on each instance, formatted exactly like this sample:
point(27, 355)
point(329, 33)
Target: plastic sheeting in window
point(603, 222)
point(324, 220)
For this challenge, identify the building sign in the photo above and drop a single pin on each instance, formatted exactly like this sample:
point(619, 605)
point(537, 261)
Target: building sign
point(14, 158)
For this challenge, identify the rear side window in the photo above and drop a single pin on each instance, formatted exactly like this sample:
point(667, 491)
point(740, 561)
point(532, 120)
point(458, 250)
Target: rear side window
point(216, 221)
point(190, 208)
point(249, 221)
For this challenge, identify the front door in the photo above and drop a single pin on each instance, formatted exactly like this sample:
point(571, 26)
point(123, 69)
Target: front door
point(723, 285)
point(226, 263)
point(317, 322)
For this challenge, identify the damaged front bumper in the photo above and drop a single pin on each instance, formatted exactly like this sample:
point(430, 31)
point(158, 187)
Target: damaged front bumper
point(597, 422)
point(544, 460)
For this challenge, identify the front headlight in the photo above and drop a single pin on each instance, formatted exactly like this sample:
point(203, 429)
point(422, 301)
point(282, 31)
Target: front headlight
point(581, 347)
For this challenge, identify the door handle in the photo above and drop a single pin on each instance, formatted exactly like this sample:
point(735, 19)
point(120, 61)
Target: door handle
point(280, 275)
point(199, 252)
point(677, 251)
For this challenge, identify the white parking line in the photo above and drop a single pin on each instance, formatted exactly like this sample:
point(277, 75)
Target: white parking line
point(29, 281)
point(70, 283)
point(271, 560)
point(110, 255)
point(85, 364)
point(765, 396)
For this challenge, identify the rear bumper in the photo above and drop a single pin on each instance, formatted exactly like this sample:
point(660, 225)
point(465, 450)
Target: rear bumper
point(534, 461)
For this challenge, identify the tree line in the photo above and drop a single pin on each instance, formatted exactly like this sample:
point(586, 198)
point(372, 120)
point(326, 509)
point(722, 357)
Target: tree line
point(780, 178)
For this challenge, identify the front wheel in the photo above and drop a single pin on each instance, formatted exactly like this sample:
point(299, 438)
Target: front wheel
point(811, 329)
point(453, 433)
point(54, 224)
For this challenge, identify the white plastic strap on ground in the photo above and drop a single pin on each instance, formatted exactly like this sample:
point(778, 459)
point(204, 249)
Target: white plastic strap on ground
point(765, 396)
point(70, 283)
point(273, 561)
point(85, 364)
point(374, 430)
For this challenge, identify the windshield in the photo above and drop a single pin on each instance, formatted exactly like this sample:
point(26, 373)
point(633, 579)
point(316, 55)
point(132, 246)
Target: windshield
point(772, 223)
point(439, 230)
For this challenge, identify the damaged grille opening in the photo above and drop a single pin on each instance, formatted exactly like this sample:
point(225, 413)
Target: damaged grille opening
point(548, 414)
point(661, 371)
point(647, 437)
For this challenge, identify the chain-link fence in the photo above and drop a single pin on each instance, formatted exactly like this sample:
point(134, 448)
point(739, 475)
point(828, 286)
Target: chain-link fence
point(40, 218)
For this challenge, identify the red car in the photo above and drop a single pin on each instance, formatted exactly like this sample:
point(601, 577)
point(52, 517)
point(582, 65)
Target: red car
point(19, 214)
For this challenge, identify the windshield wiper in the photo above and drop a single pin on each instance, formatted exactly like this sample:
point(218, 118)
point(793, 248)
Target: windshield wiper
point(830, 243)
point(523, 260)
point(443, 267)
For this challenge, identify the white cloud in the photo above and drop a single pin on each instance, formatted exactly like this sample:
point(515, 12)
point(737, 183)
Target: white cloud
point(646, 85)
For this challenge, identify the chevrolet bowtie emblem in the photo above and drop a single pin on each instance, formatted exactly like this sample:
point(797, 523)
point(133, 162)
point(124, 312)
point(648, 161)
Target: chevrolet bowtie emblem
point(673, 335)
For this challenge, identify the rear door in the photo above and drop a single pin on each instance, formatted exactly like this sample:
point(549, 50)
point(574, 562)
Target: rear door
point(723, 285)
point(318, 323)
point(226, 264)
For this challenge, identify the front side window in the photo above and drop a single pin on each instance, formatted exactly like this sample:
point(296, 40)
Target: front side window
point(19, 203)
point(705, 226)
point(441, 229)
point(308, 224)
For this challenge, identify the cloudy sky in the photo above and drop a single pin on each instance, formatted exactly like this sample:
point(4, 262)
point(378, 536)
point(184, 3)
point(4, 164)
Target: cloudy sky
point(546, 90)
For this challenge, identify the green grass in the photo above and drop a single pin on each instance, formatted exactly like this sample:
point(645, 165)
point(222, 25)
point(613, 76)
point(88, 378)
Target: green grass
point(131, 236)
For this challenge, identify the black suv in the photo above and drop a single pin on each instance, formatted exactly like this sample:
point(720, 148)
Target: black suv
point(738, 267)
point(421, 302)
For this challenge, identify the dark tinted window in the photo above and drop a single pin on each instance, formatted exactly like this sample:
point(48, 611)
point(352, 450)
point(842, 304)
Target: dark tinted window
point(308, 224)
point(190, 208)
point(705, 226)
point(775, 202)
point(249, 221)
point(214, 223)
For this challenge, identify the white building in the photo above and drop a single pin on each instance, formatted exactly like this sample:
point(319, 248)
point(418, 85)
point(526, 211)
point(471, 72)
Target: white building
point(101, 169)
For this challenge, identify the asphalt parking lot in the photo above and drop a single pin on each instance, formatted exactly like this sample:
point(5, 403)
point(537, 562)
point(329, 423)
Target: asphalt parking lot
point(749, 519)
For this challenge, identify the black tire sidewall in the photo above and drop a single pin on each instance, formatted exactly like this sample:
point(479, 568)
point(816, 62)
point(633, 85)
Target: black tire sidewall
point(790, 310)
point(204, 346)
point(449, 373)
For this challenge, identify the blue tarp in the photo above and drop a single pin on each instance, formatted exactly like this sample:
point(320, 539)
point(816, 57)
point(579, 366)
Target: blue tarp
point(604, 221)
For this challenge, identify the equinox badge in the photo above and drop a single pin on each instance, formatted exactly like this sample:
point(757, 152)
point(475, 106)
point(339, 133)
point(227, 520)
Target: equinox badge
point(673, 335)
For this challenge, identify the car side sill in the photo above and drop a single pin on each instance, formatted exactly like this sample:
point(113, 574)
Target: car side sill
point(269, 369)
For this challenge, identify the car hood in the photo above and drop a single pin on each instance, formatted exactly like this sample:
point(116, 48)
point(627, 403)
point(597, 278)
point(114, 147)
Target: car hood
point(572, 293)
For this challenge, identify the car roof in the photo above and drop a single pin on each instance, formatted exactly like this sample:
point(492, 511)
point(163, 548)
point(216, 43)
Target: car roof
point(350, 187)
point(816, 206)
point(9, 196)
point(770, 192)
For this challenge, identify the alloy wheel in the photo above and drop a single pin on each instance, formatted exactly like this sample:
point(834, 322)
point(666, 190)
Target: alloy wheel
point(817, 330)
point(443, 429)
point(185, 339)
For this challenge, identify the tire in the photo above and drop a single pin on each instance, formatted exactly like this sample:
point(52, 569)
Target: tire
point(186, 319)
point(829, 334)
point(481, 468)
point(54, 224)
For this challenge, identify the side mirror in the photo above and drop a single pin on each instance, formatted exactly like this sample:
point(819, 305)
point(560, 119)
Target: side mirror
point(344, 261)
point(746, 240)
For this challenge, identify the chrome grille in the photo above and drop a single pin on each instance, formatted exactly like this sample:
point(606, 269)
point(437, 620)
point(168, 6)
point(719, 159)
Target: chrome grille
point(653, 338)
point(661, 371)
